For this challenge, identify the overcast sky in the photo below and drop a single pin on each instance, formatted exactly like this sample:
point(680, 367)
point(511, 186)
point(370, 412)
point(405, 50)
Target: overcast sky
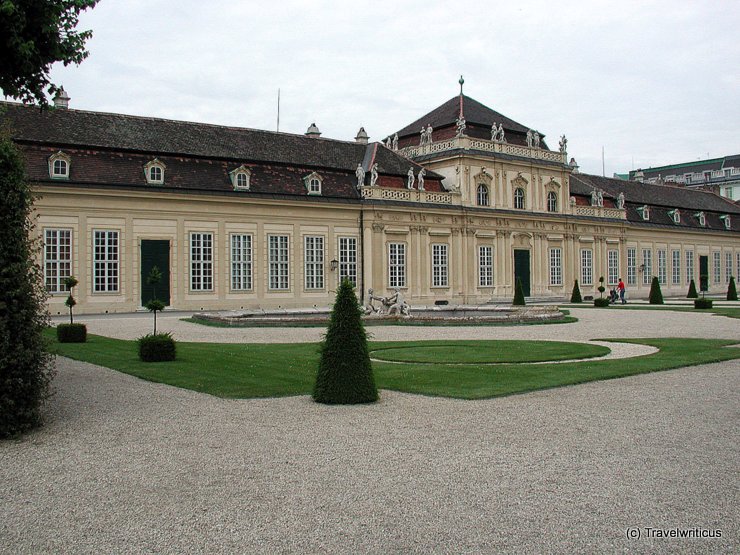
point(653, 82)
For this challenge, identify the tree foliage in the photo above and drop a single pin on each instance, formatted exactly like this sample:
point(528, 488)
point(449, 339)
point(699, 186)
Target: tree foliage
point(33, 36)
point(656, 296)
point(575, 296)
point(345, 374)
point(732, 290)
point(692, 294)
point(70, 283)
point(155, 305)
point(25, 366)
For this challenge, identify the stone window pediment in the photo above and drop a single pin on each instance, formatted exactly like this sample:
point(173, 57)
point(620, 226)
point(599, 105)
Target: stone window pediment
point(240, 178)
point(313, 182)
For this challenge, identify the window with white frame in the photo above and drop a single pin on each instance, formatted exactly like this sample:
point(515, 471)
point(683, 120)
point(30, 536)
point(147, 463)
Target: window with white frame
point(662, 270)
point(241, 262)
point(726, 221)
point(587, 270)
point(313, 183)
point(57, 258)
point(348, 259)
point(154, 172)
point(105, 261)
point(717, 274)
point(675, 216)
point(702, 218)
point(519, 198)
point(439, 266)
point(612, 269)
point(647, 266)
point(59, 165)
point(482, 195)
point(676, 267)
point(728, 266)
point(279, 266)
point(644, 211)
point(631, 266)
point(552, 201)
point(485, 266)
point(689, 266)
point(556, 266)
point(397, 264)
point(201, 261)
point(240, 178)
point(313, 255)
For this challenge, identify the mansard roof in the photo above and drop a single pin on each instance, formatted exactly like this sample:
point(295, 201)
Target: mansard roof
point(473, 111)
point(119, 132)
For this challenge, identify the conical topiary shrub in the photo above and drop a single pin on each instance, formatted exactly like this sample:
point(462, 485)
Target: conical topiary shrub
point(345, 374)
point(519, 294)
point(692, 294)
point(575, 296)
point(656, 297)
point(732, 290)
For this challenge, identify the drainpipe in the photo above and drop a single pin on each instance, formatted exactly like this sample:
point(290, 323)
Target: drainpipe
point(361, 273)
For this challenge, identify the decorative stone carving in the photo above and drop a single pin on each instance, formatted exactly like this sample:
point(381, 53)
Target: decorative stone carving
point(620, 201)
point(422, 136)
point(460, 122)
point(494, 132)
point(429, 134)
point(563, 144)
point(360, 173)
point(395, 142)
point(572, 201)
point(536, 139)
point(594, 198)
point(600, 199)
point(374, 175)
point(422, 173)
point(389, 306)
point(529, 138)
point(410, 178)
point(388, 143)
point(501, 133)
point(378, 227)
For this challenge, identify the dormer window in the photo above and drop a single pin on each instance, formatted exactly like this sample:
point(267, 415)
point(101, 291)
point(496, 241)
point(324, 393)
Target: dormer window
point(313, 183)
point(644, 211)
point(59, 165)
point(154, 172)
point(240, 178)
point(675, 216)
point(702, 218)
point(726, 220)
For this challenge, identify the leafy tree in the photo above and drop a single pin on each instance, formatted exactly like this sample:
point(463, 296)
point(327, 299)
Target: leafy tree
point(732, 290)
point(575, 296)
point(656, 296)
point(33, 36)
point(601, 287)
point(345, 375)
point(155, 305)
point(70, 283)
point(25, 366)
point(519, 293)
point(692, 294)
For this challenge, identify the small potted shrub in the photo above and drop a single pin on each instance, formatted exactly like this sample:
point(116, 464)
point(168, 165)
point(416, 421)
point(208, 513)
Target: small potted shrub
point(732, 290)
point(156, 347)
point(575, 296)
point(601, 302)
point(71, 333)
point(656, 296)
point(692, 294)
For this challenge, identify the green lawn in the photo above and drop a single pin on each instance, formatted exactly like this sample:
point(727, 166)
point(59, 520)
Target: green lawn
point(273, 370)
point(729, 311)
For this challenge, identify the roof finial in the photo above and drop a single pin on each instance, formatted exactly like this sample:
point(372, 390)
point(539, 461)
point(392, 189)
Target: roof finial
point(462, 82)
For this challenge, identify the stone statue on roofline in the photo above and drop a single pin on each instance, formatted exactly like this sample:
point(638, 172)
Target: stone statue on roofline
point(410, 179)
point(501, 133)
point(620, 200)
point(395, 142)
point(374, 174)
point(529, 138)
point(563, 144)
point(360, 173)
point(600, 199)
point(422, 135)
point(494, 132)
point(460, 122)
point(594, 198)
point(422, 173)
point(429, 134)
point(536, 139)
point(388, 143)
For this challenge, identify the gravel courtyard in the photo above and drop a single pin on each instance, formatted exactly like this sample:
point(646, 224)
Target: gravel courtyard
point(128, 466)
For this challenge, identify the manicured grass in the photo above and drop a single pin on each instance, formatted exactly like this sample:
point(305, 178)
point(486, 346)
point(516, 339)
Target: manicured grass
point(273, 370)
point(730, 312)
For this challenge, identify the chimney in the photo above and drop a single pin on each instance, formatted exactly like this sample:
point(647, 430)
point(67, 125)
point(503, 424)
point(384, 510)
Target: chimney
point(61, 99)
point(362, 137)
point(313, 131)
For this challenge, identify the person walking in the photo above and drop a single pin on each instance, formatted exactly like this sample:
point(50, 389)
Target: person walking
point(620, 288)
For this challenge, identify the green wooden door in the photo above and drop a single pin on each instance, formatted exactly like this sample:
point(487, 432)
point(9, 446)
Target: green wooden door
point(703, 273)
point(155, 253)
point(521, 269)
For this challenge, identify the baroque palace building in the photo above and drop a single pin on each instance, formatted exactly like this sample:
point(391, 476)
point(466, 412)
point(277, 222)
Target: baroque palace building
point(454, 208)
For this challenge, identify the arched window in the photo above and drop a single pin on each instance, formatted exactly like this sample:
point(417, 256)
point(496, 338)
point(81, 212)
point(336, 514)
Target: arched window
point(60, 168)
point(155, 174)
point(519, 198)
point(483, 195)
point(552, 201)
point(59, 165)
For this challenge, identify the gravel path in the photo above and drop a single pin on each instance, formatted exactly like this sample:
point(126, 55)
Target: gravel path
point(127, 466)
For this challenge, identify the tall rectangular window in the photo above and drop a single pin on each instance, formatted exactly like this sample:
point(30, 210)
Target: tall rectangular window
point(631, 266)
point(105, 261)
point(241, 262)
point(313, 254)
point(279, 267)
point(647, 263)
point(348, 259)
point(662, 270)
point(676, 268)
point(717, 273)
point(689, 266)
point(485, 266)
point(396, 264)
point(439, 265)
point(728, 266)
point(556, 266)
point(57, 258)
point(612, 270)
point(201, 261)
point(587, 271)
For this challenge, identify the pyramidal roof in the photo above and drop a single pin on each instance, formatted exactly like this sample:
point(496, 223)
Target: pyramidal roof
point(473, 111)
